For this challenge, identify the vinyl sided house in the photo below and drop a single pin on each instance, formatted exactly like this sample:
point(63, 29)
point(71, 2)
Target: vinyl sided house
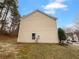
point(38, 27)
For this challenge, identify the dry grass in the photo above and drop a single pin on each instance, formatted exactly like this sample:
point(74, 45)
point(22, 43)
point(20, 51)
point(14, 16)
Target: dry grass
point(8, 39)
point(48, 51)
point(9, 49)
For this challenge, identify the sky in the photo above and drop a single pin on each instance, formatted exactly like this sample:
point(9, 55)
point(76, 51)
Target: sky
point(64, 10)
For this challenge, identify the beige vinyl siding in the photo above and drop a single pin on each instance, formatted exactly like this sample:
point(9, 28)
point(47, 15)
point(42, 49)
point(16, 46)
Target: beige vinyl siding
point(41, 25)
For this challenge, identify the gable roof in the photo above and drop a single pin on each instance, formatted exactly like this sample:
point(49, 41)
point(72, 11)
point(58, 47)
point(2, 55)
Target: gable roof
point(41, 13)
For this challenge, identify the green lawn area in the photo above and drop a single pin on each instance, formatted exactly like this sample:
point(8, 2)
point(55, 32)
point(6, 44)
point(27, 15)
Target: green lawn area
point(9, 49)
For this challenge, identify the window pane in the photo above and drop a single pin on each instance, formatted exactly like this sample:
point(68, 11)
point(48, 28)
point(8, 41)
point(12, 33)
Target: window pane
point(33, 36)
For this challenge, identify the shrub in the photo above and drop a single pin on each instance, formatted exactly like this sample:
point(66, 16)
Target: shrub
point(61, 35)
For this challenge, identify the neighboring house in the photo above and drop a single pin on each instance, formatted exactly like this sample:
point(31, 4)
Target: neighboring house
point(69, 37)
point(38, 27)
point(77, 36)
point(72, 37)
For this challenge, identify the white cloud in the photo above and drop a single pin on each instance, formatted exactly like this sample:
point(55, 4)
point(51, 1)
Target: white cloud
point(70, 28)
point(69, 25)
point(55, 5)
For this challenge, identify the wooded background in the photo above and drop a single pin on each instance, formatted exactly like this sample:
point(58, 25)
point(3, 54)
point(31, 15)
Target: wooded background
point(9, 17)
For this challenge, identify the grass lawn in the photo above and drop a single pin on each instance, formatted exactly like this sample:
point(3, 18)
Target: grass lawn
point(48, 51)
point(9, 49)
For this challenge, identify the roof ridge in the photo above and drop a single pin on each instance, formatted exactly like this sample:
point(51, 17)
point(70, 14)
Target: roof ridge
point(40, 12)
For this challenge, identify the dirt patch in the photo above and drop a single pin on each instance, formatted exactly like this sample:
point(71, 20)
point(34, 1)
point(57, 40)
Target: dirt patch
point(8, 51)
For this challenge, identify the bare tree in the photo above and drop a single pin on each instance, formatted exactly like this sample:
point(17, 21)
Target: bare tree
point(10, 16)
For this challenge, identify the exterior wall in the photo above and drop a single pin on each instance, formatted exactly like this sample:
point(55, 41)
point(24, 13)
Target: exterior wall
point(40, 24)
